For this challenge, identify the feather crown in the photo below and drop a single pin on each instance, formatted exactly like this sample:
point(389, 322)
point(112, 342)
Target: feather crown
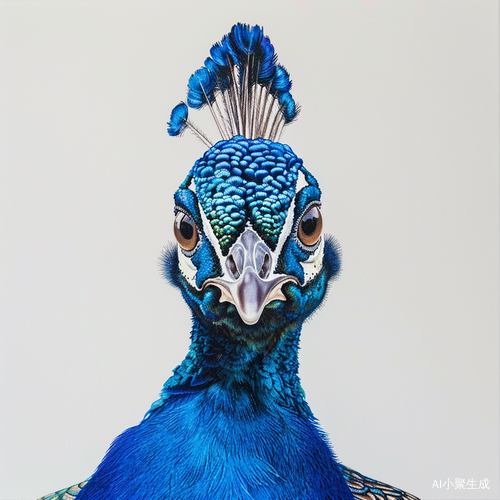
point(246, 90)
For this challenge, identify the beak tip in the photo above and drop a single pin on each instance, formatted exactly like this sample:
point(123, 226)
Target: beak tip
point(249, 320)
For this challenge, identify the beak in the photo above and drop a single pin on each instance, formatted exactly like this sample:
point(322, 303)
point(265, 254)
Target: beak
point(248, 282)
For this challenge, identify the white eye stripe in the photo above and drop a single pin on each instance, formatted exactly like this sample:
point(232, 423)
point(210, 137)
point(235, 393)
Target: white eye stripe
point(301, 181)
point(313, 265)
point(286, 230)
point(190, 186)
point(187, 268)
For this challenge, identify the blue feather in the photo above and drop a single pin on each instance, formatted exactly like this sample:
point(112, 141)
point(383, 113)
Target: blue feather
point(245, 40)
point(200, 88)
point(290, 110)
point(219, 55)
point(222, 74)
point(281, 82)
point(178, 120)
point(267, 59)
point(231, 54)
point(213, 67)
point(241, 81)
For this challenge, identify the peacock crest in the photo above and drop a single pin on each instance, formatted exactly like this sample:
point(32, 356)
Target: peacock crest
point(244, 87)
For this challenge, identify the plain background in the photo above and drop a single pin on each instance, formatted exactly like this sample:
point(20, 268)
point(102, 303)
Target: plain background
point(399, 124)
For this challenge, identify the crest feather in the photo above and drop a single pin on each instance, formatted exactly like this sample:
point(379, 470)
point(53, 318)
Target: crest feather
point(246, 90)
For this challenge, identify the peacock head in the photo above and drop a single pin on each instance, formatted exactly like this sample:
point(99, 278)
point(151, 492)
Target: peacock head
point(251, 256)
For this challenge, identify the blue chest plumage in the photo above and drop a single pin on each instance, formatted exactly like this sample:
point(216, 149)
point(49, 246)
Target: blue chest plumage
point(246, 433)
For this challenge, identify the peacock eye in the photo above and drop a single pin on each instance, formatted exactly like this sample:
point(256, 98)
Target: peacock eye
point(185, 231)
point(310, 226)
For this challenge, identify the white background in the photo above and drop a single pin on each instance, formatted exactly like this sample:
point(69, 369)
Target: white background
point(399, 124)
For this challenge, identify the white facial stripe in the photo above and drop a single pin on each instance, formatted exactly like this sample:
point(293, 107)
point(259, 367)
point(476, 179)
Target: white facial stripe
point(187, 268)
point(287, 228)
point(190, 186)
point(301, 181)
point(312, 266)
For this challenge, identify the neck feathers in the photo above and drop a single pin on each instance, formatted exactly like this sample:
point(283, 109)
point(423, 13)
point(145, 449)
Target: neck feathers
point(268, 375)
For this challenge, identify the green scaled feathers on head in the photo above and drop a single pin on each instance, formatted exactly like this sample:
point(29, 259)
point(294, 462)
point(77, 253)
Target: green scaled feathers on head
point(245, 89)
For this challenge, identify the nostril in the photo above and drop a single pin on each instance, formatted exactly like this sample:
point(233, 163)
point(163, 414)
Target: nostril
point(232, 267)
point(266, 267)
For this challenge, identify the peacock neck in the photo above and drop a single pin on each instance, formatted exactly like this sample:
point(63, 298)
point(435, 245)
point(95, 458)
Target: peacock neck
point(216, 360)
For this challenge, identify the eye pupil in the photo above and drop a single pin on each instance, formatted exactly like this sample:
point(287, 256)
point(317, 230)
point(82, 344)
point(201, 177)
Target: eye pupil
point(187, 229)
point(309, 225)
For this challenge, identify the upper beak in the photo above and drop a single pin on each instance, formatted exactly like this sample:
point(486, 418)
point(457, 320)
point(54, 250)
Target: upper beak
point(248, 282)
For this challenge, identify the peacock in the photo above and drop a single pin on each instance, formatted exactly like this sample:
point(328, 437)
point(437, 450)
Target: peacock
point(252, 263)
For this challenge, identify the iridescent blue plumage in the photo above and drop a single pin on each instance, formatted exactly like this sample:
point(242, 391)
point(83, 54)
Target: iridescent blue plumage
point(200, 88)
point(178, 120)
point(247, 91)
point(281, 82)
point(246, 180)
point(288, 105)
point(253, 264)
point(232, 421)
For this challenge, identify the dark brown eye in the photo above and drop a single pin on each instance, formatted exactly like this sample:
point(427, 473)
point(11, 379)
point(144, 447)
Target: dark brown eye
point(185, 231)
point(310, 226)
